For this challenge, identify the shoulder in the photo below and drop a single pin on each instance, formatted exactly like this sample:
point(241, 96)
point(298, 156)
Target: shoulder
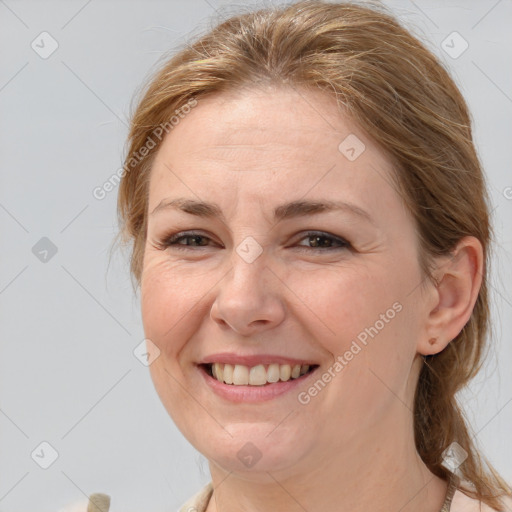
point(199, 501)
point(463, 503)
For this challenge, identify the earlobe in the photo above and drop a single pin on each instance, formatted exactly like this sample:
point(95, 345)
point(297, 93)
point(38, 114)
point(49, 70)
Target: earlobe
point(459, 278)
point(433, 346)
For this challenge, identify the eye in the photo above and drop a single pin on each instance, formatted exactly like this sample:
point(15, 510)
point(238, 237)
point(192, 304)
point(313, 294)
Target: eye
point(324, 241)
point(191, 239)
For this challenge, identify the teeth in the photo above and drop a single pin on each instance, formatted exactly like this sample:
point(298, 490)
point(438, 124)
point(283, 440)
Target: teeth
point(285, 372)
point(258, 375)
point(240, 375)
point(218, 371)
point(228, 374)
point(273, 373)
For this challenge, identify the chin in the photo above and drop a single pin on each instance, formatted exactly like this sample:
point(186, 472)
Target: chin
point(250, 449)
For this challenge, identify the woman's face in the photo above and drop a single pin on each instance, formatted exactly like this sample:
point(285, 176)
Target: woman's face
point(264, 278)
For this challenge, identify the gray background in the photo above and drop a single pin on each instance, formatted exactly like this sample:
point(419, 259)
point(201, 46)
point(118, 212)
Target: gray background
point(69, 325)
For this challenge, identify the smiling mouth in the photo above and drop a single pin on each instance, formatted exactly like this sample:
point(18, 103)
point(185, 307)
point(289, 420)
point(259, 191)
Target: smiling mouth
point(259, 375)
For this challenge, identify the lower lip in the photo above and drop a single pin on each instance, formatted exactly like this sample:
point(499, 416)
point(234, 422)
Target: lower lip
point(252, 394)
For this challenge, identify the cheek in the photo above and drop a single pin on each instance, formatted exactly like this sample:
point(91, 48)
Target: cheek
point(346, 301)
point(367, 322)
point(170, 302)
point(170, 298)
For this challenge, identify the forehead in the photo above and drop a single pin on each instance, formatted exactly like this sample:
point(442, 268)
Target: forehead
point(254, 121)
point(260, 143)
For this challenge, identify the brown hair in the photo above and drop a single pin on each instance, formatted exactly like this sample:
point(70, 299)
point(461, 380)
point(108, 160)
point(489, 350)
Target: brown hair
point(402, 97)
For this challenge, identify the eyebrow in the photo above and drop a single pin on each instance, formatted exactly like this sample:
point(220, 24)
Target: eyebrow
point(293, 209)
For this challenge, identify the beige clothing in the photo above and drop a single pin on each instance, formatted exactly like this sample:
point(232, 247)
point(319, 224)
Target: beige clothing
point(455, 500)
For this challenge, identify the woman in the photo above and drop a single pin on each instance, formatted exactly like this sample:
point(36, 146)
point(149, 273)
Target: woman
point(310, 232)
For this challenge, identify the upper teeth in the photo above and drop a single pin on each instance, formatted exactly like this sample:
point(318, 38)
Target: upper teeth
point(259, 375)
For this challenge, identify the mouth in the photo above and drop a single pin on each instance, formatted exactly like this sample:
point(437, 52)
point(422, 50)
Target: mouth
point(260, 375)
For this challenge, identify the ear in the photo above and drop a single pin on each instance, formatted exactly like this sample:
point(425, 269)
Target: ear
point(459, 277)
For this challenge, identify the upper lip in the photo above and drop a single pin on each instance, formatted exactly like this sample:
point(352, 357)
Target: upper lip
point(252, 360)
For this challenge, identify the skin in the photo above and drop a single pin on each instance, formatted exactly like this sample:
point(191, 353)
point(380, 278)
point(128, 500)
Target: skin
point(351, 448)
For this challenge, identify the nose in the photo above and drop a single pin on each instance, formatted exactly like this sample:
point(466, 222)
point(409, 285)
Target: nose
point(249, 298)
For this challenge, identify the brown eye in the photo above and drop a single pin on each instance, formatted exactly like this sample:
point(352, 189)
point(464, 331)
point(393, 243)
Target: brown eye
point(184, 240)
point(319, 240)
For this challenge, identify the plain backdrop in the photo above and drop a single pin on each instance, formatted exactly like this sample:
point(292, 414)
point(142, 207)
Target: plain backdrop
point(69, 320)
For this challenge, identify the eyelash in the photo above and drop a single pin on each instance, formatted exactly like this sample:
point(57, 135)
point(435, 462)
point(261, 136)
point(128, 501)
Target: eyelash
point(172, 241)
